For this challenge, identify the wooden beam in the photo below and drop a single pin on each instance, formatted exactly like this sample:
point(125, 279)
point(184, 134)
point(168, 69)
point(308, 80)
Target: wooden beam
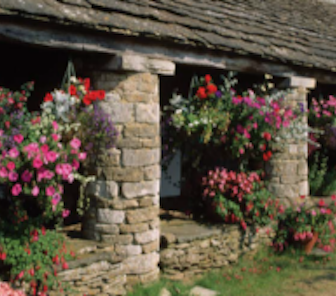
point(296, 81)
point(62, 37)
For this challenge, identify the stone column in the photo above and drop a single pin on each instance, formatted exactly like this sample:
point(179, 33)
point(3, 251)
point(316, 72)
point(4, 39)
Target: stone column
point(288, 169)
point(125, 198)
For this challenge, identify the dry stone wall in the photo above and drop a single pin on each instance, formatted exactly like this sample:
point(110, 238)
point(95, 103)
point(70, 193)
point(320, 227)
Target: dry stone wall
point(187, 255)
point(125, 197)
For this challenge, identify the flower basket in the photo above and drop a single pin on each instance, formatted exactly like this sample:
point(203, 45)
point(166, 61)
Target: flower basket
point(309, 242)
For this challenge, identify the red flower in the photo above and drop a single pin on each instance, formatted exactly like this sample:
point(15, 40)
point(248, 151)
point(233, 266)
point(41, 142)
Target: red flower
point(86, 100)
point(93, 95)
point(207, 78)
point(36, 120)
point(267, 136)
point(101, 94)
point(48, 97)
point(87, 83)
point(333, 197)
point(302, 196)
point(321, 203)
point(72, 90)
point(65, 265)
point(211, 88)
point(7, 124)
point(201, 93)
point(3, 256)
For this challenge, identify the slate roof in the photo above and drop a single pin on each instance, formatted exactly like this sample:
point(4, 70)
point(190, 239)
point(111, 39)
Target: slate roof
point(300, 32)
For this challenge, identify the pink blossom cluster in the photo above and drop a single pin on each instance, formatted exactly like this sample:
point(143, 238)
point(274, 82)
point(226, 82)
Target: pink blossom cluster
point(38, 168)
point(305, 235)
point(231, 183)
point(6, 290)
point(324, 108)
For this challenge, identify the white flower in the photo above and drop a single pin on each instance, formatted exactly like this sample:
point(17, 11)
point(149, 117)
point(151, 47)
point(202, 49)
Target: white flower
point(73, 79)
point(178, 111)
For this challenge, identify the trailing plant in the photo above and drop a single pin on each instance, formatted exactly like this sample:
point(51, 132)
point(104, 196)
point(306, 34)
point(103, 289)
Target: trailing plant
point(239, 197)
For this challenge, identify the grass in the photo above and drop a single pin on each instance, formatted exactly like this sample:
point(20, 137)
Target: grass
point(265, 274)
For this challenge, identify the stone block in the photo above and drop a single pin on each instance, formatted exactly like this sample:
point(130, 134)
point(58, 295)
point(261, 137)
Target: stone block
point(145, 202)
point(304, 188)
point(134, 228)
point(150, 277)
point(122, 174)
point(141, 264)
point(141, 130)
point(151, 142)
point(119, 112)
point(133, 190)
point(109, 159)
point(153, 246)
point(283, 168)
point(123, 239)
point(104, 189)
point(140, 157)
point(107, 228)
point(108, 216)
point(303, 168)
point(128, 250)
point(284, 190)
point(134, 143)
point(142, 215)
point(147, 236)
point(147, 113)
point(152, 172)
point(200, 291)
point(123, 204)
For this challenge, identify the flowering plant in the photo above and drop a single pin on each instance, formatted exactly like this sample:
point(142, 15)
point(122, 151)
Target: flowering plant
point(246, 126)
point(239, 197)
point(6, 290)
point(77, 106)
point(299, 222)
point(34, 163)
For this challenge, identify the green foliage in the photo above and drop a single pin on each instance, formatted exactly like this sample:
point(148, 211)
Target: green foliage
point(318, 166)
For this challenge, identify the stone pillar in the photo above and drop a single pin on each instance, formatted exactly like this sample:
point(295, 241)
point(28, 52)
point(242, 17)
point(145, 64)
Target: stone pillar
point(125, 198)
point(288, 169)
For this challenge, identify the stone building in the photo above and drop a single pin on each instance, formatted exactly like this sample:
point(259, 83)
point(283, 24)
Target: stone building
point(137, 51)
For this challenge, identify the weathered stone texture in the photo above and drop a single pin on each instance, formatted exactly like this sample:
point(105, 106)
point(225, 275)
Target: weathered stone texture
point(132, 190)
point(140, 157)
point(110, 216)
point(104, 189)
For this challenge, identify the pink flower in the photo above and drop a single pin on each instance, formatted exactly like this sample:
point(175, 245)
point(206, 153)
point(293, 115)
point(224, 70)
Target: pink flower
point(51, 156)
point(16, 189)
point(18, 138)
point(35, 191)
point(65, 213)
point(37, 163)
point(55, 125)
point(12, 176)
point(11, 166)
point(3, 172)
point(13, 153)
point(241, 150)
point(55, 137)
point(50, 191)
point(55, 200)
point(75, 164)
point(20, 275)
point(45, 148)
point(75, 143)
point(313, 212)
point(43, 139)
point(82, 156)
point(26, 176)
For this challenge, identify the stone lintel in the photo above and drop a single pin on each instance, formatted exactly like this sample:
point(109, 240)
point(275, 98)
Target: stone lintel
point(298, 81)
point(138, 63)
